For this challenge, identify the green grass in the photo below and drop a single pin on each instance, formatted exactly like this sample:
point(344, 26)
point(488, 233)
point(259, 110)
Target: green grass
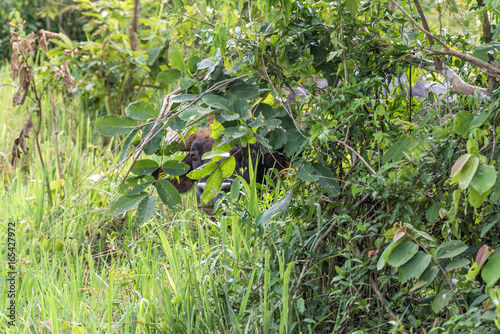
point(83, 271)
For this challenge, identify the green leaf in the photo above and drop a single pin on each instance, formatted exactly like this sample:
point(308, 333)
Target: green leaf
point(136, 185)
point(481, 52)
point(216, 101)
point(428, 276)
point(124, 203)
point(476, 199)
point(144, 167)
point(192, 64)
point(214, 183)
point(484, 178)
point(462, 122)
point(432, 212)
point(352, 6)
point(169, 76)
point(141, 111)
point(473, 271)
point(450, 249)
point(114, 125)
point(457, 263)
point(385, 255)
point(415, 267)
point(127, 144)
point(468, 172)
point(145, 210)
point(203, 171)
point(168, 194)
point(215, 153)
point(327, 180)
point(184, 98)
point(479, 120)
point(244, 91)
point(491, 271)
point(175, 168)
point(307, 173)
point(228, 166)
point(402, 145)
point(177, 58)
point(264, 217)
point(402, 253)
point(441, 300)
point(154, 141)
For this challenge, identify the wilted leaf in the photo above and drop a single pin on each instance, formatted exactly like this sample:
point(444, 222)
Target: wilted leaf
point(482, 254)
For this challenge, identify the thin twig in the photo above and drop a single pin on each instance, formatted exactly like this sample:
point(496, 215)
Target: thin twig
point(356, 153)
point(383, 301)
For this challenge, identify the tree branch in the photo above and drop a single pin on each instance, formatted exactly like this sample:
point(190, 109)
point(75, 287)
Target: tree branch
point(459, 86)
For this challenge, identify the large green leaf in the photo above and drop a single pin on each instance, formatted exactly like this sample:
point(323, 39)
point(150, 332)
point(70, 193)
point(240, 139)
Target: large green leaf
point(177, 58)
point(307, 173)
point(145, 167)
point(244, 91)
point(427, 277)
point(114, 125)
point(155, 141)
point(459, 164)
point(216, 101)
point(124, 203)
point(327, 180)
point(476, 199)
point(491, 271)
point(457, 263)
point(127, 144)
point(141, 111)
point(169, 76)
point(135, 185)
point(402, 253)
point(450, 249)
point(415, 267)
point(484, 178)
point(175, 168)
point(227, 166)
point(168, 194)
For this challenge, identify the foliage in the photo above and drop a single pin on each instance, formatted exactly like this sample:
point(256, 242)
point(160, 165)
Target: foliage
point(389, 219)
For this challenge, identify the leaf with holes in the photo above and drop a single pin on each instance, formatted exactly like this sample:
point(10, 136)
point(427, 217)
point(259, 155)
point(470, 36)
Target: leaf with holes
point(168, 194)
point(144, 167)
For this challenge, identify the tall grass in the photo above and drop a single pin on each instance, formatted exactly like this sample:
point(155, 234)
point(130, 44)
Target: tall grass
point(83, 271)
